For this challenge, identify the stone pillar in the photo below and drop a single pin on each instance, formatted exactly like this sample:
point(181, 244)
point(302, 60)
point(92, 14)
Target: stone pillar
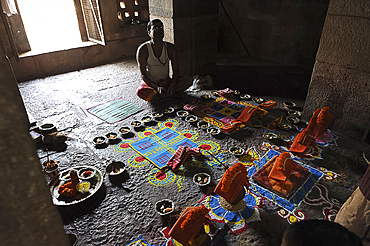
point(27, 215)
point(192, 25)
point(341, 75)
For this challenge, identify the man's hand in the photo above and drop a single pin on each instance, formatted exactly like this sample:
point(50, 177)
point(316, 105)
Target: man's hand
point(172, 88)
point(161, 90)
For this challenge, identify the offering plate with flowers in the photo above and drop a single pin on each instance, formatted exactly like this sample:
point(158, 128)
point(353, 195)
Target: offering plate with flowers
point(85, 188)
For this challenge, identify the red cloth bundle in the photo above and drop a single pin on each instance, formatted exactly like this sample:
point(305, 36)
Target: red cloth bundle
point(302, 142)
point(282, 167)
point(233, 182)
point(323, 121)
point(268, 105)
point(188, 224)
point(181, 155)
point(244, 118)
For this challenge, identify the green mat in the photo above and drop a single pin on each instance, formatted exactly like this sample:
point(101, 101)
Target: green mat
point(115, 110)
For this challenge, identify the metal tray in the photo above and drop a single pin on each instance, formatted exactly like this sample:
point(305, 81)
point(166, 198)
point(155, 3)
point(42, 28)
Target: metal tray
point(95, 183)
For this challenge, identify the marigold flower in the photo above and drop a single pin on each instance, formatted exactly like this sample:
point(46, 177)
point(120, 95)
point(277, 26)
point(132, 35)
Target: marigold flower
point(69, 188)
point(281, 160)
point(301, 137)
point(230, 175)
point(192, 216)
point(323, 115)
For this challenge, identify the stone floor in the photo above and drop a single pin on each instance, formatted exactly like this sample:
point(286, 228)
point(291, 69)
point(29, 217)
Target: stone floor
point(123, 208)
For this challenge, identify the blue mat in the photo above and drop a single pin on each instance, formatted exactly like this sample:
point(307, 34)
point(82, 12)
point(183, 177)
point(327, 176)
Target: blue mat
point(297, 198)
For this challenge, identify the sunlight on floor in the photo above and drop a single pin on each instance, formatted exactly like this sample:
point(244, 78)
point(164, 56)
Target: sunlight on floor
point(51, 25)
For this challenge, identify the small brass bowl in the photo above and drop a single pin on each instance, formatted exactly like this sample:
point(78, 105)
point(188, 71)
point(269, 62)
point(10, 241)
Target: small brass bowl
point(203, 124)
point(182, 113)
point(236, 150)
point(270, 135)
point(169, 110)
point(191, 118)
point(99, 141)
point(292, 119)
point(164, 207)
point(124, 130)
point(147, 119)
point(289, 104)
point(115, 168)
point(136, 123)
point(213, 130)
point(245, 96)
point(202, 179)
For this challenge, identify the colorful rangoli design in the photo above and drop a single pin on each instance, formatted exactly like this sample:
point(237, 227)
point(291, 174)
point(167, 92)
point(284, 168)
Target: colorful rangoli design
point(141, 242)
point(297, 198)
point(291, 217)
point(159, 147)
point(332, 207)
point(158, 178)
point(237, 221)
point(123, 146)
point(148, 131)
point(156, 147)
point(137, 161)
point(327, 139)
point(249, 157)
point(221, 111)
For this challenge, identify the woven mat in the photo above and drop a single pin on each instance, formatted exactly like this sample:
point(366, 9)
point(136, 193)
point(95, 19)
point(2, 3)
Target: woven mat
point(115, 110)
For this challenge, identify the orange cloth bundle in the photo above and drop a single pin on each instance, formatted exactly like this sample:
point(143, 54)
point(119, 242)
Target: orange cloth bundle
point(313, 121)
point(249, 112)
point(282, 167)
point(244, 118)
point(188, 224)
point(319, 122)
point(268, 105)
point(302, 142)
point(323, 121)
point(232, 125)
point(232, 182)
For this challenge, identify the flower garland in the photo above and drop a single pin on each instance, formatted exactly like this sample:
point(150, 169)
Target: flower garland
point(69, 189)
point(230, 174)
point(301, 137)
point(323, 115)
point(280, 161)
point(192, 216)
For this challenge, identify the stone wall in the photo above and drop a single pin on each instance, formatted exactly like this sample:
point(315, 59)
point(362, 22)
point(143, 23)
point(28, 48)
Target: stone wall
point(193, 27)
point(341, 75)
point(27, 214)
point(38, 66)
point(283, 31)
point(121, 41)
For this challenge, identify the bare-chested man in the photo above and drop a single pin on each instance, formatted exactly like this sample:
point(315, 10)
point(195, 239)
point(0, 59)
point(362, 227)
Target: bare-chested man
point(153, 58)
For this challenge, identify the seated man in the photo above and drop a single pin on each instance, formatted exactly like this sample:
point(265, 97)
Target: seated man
point(153, 58)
